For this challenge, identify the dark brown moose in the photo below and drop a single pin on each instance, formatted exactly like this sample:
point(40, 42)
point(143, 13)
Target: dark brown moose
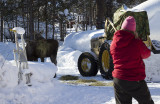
point(42, 48)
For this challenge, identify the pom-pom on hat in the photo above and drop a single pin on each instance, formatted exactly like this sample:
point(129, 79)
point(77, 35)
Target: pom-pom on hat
point(129, 24)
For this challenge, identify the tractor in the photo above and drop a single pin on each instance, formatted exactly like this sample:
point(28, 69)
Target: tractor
point(100, 58)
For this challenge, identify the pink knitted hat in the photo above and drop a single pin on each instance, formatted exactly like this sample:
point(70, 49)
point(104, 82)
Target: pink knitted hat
point(129, 24)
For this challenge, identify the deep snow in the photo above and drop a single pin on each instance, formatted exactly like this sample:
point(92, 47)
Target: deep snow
point(47, 90)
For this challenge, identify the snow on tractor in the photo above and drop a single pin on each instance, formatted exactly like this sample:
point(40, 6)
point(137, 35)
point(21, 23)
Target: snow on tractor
point(100, 58)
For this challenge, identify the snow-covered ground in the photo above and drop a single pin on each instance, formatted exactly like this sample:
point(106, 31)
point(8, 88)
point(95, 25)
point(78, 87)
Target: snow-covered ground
point(48, 90)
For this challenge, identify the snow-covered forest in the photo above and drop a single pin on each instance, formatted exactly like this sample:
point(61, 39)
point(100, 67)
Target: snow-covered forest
point(52, 19)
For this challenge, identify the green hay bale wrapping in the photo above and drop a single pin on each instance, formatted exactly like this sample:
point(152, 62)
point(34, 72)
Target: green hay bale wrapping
point(142, 24)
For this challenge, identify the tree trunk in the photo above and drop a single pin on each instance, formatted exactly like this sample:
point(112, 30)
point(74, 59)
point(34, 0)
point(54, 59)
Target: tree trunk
point(46, 28)
point(31, 20)
point(109, 9)
point(83, 24)
point(16, 21)
point(100, 14)
point(86, 21)
point(61, 30)
point(10, 33)
point(77, 23)
point(90, 14)
point(38, 19)
point(28, 27)
point(1, 27)
point(46, 17)
point(53, 28)
point(53, 17)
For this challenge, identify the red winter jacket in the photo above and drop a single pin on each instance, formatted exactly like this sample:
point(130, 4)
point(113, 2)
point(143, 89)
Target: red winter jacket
point(128, 54)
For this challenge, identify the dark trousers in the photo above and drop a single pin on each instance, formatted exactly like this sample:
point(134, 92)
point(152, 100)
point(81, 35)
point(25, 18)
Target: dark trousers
point(126, 90)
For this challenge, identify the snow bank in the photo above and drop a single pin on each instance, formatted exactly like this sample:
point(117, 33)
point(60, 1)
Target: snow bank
point(74, 44)
point(152, 68)
point(8, 73)
point(41, 72)
point(67, 59)
point(81, 40)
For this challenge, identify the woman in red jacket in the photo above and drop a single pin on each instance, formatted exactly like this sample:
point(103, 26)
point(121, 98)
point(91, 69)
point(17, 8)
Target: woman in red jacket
point(128, 52)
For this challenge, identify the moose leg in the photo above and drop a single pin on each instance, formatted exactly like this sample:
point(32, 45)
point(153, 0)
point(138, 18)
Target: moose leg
point(53, 59)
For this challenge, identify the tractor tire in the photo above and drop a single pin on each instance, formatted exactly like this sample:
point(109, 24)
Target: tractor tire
point(105, 61)
point(87, 64)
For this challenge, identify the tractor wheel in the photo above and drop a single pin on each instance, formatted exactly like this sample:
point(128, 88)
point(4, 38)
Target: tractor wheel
point(105, 61)
point(87, 64)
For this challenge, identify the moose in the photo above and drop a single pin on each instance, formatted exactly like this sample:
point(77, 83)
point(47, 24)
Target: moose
point(42, 48)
